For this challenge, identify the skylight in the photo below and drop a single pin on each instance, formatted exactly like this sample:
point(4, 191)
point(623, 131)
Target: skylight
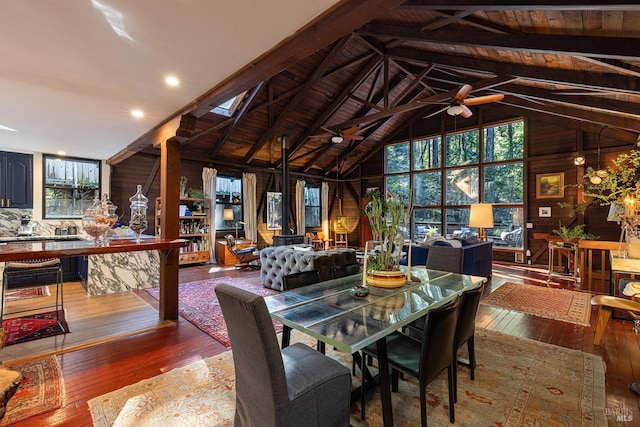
point(229, 107)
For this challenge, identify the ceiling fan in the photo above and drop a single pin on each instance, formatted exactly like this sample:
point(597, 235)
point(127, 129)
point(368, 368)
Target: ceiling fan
point(459, 105)
point(337, 136)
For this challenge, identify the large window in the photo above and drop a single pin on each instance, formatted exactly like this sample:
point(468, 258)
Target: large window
point(229, 198)
point(311, 206)
point(70, 185)
point(482, 165)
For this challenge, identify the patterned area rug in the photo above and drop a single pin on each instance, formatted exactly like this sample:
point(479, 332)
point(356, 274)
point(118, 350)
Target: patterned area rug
point(35, 326)
point(197, 303)
point(41, 390)
point(26, 293)
point(518, 382)
point(559, 304)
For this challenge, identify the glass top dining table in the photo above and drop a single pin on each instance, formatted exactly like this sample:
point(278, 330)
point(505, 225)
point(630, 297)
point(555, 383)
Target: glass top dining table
point(330, 312)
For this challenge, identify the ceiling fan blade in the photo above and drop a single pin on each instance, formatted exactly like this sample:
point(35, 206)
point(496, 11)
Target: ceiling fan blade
point(440, 110)
point(466, 112)
point(350, 131)
point(463, 92)
point(332, 132)
point(356, 137)
point(484, 99)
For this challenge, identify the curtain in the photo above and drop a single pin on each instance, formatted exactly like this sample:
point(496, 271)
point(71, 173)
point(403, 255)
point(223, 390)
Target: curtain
point(300, 217)
point(249, 207)
point(325, 208)
point(209, 186)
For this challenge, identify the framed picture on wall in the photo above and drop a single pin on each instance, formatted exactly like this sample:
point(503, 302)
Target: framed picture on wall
point(544, 212)
point(274, 211)
point(550, 185)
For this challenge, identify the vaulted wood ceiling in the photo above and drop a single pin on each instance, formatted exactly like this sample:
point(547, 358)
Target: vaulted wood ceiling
point(382, 65)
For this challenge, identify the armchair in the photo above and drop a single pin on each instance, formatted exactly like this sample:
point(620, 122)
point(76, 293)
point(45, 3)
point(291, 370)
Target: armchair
point(245, 257)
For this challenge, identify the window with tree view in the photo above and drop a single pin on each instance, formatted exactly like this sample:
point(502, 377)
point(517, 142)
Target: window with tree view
point(481, 165)
point(312, 206)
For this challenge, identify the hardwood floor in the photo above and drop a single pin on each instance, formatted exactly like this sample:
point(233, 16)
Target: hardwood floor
point(98, 369)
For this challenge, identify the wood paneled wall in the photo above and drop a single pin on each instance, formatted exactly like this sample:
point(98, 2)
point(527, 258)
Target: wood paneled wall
point(552, 144)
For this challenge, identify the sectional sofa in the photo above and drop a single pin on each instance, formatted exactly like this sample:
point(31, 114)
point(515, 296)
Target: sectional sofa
point(279, 261)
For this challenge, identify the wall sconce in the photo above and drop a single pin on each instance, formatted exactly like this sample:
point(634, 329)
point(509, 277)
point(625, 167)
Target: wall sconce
point(481, 216)
point(579, 161)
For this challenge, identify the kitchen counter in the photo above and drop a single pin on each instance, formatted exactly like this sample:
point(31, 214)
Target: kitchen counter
point(10, 239)
point(113, 263)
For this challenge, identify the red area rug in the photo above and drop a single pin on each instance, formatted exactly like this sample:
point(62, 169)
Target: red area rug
point(26, 293)
point(33, 327)
point(559, 304)
point(197, 303)
point(41, 390)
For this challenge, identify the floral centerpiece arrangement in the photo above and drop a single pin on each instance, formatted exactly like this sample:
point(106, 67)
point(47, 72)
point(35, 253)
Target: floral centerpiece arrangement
point(389, 218)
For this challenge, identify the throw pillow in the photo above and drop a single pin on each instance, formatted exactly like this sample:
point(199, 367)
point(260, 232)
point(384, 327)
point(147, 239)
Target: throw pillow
point(303, 248)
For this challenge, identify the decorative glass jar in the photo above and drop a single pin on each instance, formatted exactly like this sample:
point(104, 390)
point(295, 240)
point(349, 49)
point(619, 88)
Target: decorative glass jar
point(138, 222)
point(97, 220)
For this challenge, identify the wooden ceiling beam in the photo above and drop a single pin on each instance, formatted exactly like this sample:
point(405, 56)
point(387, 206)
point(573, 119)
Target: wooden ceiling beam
point(519, 5)
point(589, 46)
point(300, 96)
point(583, 79)
point(239, 116)
point(335, 105)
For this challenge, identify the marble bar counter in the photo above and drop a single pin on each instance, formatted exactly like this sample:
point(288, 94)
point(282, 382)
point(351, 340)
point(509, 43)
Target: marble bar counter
point(120, 265)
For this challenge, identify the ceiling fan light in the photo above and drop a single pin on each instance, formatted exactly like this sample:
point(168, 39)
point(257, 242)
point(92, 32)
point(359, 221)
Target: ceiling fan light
point(455, 110)
point(337, 139)
point(579, 161)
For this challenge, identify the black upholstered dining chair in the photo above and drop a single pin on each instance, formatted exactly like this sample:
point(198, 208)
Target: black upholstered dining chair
point(445, 258)
point(295, 386)
point(466, 329)
point(293, 281)
point(424, 358)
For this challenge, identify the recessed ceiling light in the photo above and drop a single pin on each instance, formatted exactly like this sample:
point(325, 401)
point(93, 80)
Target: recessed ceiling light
point(7, 128)
point(172, 81)
point(138, 114)
point(62, 153)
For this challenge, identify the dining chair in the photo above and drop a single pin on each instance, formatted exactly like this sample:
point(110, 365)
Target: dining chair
point(445, 258)
point(293, 281)
point(295, 386)
point(465, 331)
point(424, 358)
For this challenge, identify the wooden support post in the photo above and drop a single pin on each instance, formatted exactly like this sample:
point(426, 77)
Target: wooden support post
point(169, 227)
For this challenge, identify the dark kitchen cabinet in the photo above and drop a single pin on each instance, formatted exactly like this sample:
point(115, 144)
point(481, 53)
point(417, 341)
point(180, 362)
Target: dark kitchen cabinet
point(16, 180)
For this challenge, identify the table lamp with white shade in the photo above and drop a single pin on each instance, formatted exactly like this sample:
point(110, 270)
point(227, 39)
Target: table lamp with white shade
point(481, 216)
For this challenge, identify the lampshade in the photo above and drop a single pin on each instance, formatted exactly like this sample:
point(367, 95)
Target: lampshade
point(481, 215)
point(227, 215)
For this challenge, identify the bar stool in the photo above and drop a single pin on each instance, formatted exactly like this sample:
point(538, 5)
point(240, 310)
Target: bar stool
point(22, 269)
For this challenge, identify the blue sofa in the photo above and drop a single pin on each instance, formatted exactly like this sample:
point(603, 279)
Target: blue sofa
point(477, 256)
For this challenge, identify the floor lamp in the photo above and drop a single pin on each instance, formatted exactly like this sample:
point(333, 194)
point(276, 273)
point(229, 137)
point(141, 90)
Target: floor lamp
point(481, 216)
point(239, 222)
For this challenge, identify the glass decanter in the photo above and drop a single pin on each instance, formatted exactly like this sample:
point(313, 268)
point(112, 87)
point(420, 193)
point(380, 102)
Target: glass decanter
point(138, 222)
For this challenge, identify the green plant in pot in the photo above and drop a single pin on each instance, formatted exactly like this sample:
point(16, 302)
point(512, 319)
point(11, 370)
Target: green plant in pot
point(197, 193)
point(389, 219)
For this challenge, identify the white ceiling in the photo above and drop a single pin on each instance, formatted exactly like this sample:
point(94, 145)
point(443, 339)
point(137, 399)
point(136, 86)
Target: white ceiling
point(71, 71)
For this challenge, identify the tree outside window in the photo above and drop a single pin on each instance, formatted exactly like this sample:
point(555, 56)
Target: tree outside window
point(312, 206)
